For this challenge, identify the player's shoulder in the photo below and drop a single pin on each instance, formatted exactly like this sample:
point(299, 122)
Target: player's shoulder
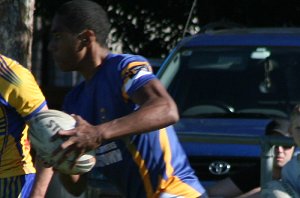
point(12, 71)
point(11, 67)
point(124, 60)
point(10, 64)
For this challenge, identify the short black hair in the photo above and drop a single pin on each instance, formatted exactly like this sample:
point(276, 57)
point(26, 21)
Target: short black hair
point(79, 15)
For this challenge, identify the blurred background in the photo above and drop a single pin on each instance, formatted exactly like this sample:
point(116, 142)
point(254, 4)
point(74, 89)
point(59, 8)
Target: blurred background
point(149, 28)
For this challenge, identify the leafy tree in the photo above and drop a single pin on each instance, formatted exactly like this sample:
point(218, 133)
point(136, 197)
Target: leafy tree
point(150, 28)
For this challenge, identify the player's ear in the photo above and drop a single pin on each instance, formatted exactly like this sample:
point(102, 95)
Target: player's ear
point(86, 37)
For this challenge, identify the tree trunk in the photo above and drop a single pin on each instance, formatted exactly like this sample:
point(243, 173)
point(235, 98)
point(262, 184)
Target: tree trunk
point(16, 28)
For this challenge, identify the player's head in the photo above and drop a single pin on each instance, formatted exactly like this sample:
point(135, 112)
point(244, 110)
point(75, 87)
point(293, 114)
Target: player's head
point(295, 124)
point(81, 15)
point(79, 30)
point(280, 127)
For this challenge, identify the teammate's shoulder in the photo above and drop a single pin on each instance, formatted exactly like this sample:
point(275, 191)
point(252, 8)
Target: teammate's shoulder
point(13, 72)
point(11, 64)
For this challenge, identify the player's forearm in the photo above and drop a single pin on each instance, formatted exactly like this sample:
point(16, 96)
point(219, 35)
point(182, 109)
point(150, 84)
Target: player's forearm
point(150, 116)
point(42, 180)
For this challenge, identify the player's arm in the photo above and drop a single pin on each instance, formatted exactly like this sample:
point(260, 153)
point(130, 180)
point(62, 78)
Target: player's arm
point(31, 99)
point(156, 110)
point(42, 180)
point(24, 95)
point(43, 176)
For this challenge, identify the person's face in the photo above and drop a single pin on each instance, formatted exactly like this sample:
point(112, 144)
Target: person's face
point(64, 46)
point(295, 129)
point(282, 155)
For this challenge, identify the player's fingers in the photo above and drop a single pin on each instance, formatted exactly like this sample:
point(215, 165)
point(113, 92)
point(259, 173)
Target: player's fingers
point(67, 146)
point(68, 143)
point(69, 155)
point(63, 156)
point(79, 119)
point(62, 148)
point(55, 137)
point(69, 132)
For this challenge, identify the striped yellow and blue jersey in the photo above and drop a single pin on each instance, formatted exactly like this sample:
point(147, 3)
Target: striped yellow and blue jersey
point(20, 98)
point(143, 165)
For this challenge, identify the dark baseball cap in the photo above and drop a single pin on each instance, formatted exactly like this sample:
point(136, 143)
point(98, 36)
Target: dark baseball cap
point(278, 127)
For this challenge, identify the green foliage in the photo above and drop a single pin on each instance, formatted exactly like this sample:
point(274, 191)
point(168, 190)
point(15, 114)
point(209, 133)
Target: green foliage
point(153, 27)
point(150, 28)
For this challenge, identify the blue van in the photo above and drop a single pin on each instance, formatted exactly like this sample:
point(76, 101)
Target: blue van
point(231, 82)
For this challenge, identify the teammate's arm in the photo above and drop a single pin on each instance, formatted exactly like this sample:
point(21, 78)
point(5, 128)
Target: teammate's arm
point(42, 180)
point(43, 176)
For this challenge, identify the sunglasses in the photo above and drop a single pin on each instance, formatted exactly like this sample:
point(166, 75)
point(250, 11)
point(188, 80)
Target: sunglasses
point(284, 147)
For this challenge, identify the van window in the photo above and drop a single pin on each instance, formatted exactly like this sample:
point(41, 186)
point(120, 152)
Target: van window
point(241, 80)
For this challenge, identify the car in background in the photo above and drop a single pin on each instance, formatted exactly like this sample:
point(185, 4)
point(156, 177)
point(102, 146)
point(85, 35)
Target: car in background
point(231, 82)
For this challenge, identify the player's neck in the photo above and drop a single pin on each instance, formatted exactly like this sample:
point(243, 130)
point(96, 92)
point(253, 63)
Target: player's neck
point(93, 63)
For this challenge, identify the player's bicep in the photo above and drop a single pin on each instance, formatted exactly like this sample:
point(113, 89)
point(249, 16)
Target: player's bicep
point(151, 91)
point(135, 75)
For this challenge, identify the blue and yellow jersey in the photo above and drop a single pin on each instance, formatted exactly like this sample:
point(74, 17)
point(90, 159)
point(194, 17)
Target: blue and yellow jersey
point(143, 165)
point(20, 98)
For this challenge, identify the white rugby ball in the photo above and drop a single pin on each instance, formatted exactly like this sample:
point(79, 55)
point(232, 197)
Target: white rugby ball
point(42, 127)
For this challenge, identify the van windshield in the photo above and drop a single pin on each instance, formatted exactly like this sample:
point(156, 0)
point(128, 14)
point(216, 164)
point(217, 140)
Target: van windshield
point(234, 80)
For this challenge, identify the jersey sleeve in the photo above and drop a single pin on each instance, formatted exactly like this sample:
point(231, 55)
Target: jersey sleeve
point(136, 72)
point(19, 88)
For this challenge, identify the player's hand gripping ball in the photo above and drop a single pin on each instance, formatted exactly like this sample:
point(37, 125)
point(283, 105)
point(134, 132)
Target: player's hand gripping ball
point(42, 127)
